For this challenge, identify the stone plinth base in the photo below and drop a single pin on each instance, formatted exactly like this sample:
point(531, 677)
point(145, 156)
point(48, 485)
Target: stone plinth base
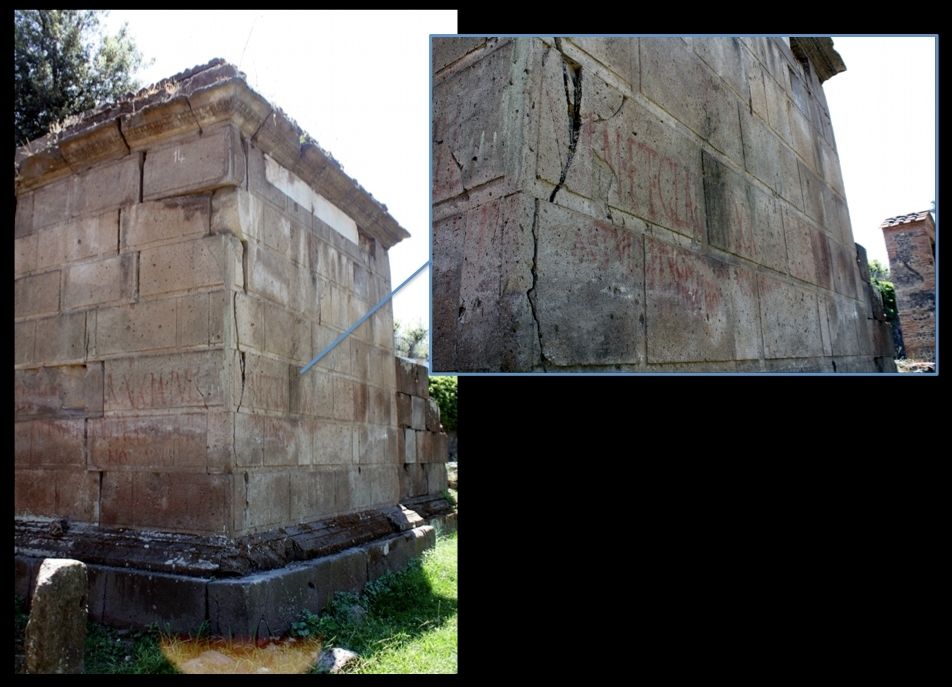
point(180, 583)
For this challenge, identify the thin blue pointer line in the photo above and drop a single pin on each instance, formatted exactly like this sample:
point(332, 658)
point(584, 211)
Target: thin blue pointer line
point(350, 330)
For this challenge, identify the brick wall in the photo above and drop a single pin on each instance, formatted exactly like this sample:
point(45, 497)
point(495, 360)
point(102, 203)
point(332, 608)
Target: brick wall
point(169, 286)
point(640, 205)
point(910, 242)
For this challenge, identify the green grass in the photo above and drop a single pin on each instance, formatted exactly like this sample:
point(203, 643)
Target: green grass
point(135, 653)
point(401, 623)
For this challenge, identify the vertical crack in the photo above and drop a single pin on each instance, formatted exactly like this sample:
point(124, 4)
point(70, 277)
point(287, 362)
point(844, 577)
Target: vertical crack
point(241, 354)
point(571, 74)
point(99, 500)
point(141, 174)
point(530, 294)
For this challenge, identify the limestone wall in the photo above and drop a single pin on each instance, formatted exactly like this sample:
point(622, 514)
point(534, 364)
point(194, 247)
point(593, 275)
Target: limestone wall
point(421, 439)
point(641, 204)
point(179, 256)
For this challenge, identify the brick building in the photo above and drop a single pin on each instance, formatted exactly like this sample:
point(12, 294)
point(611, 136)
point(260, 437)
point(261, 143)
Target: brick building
point(910, 242)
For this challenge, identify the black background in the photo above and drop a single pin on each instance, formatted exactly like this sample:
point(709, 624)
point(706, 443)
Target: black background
point(666, 526)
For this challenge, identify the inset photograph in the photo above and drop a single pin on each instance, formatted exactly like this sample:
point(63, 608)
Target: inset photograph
point(622, 204)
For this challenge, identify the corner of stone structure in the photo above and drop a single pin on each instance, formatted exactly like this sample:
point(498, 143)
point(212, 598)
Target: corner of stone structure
point(192, 103)
point(689, 207)
point(180, 256)
point(826, 61)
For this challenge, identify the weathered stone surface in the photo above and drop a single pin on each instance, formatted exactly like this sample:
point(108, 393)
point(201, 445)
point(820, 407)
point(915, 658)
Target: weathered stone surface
point(333, 444)
point(588, 291)
point(411, 378)
point(621, 55)
point(211, 161)
point(51, 443)
point(799, 241)
point(161, 121)
point(790, 320)
point(729, 60)
point(688, 306)
point(318, 493)
point(61, 339)
point(172, 501)
point(56, 632)
point(100, 282)
point(93, 144)
point(163, 441)
point(23, 219)
point(230, 99)
point(58, 391)
point(267, 603)
point(171, 218)
point(436, 480)
point(412, 480)
point(61, 492)
point(418, 413)
point(651, 170)
point(268, 275)
point(78, 239)
point(133, 599)
point(505, 331)
point(730, 221)
point(51, 204)
point(182, 266)
point(433, 416)
point(268, 440)
point(447, 51)
point(761, 151)
point(404, 410)
point(105, 187)
point(137, 327)
point(673, 77)
point(163, 381)
point(266, 500)
point(37, 294)
point(844, 320)
point(24, 255)
point(470, 130)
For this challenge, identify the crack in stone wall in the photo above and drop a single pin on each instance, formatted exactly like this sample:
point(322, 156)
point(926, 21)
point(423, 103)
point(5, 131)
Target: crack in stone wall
point(572, 81)
point(530, 294)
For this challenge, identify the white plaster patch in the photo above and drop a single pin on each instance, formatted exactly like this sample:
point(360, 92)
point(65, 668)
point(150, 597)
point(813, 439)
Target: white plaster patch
point(302, 194)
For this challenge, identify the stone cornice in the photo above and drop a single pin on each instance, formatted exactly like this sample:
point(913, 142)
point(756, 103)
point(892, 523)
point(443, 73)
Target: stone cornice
point(186, 104)
point(824, 58)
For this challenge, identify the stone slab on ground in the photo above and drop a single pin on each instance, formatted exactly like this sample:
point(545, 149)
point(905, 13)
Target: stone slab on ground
point(56, 632)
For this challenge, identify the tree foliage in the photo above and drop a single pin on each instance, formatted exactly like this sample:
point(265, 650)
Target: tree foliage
point(409, 341)
point(878, 271)
point(879, 277)
point(444, 391)
point(65, 63)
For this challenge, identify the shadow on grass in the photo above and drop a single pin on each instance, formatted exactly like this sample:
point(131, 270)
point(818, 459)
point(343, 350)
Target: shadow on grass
point(392, 611)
